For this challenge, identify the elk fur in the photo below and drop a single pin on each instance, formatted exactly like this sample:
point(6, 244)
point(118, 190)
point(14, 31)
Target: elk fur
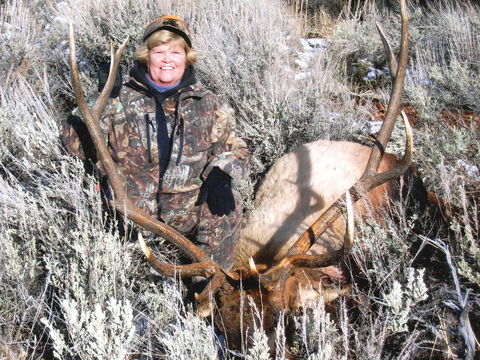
point(298, 189)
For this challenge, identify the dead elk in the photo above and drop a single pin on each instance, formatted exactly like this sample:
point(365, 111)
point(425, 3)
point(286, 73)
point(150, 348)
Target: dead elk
point(295, 262)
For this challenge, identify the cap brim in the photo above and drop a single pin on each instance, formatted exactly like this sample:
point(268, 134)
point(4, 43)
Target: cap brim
point(169, 28)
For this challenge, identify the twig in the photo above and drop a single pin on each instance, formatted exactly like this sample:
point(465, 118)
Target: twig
point(464, 327)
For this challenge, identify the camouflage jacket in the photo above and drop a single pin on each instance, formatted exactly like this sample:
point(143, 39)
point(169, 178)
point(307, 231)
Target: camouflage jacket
point(201, 131)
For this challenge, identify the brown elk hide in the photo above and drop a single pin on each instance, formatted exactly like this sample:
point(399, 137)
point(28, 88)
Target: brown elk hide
point(301, 186)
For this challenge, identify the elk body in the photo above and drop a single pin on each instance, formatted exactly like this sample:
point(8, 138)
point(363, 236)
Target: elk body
point(296, 238)
point(298, 189)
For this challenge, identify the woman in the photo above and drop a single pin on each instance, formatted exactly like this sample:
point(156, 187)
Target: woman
point(174, 142)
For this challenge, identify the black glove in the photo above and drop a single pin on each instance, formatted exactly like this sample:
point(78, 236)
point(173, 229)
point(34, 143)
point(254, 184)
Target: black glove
point(216, 191)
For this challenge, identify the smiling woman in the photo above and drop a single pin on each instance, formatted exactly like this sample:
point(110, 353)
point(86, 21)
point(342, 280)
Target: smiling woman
point(167, 50)
point(174, 142)
point(166, 64)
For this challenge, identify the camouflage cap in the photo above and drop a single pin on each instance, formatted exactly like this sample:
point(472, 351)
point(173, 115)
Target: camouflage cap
point(171, 23)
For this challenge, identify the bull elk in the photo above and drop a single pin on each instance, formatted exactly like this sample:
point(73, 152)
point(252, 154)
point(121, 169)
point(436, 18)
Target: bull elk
point(286, 247)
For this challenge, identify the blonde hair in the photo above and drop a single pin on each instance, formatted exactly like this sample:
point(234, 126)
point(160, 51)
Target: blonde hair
point(165, 37)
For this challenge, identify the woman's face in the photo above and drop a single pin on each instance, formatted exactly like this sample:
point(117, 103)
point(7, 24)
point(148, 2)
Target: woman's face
point(166, 64)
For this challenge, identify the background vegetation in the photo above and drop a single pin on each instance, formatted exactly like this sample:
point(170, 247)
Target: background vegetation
point(74, 287)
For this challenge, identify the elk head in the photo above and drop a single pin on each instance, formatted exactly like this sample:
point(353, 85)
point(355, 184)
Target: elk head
point(274, 289)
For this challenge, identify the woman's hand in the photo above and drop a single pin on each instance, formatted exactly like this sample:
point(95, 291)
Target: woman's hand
point(217, 192)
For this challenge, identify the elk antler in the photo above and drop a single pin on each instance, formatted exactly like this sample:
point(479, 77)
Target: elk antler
point(368, 181)
point(203, 265)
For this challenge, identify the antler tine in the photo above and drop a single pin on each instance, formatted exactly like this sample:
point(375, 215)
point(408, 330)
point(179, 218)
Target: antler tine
point(378, 179)
point(370, 179)
point(101, 101)
point(392, 61)
point(122, 203)
point(194, 269)
point(395, 98)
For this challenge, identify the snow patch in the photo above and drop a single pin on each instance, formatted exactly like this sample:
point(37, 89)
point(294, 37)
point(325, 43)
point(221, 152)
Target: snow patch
point(472, 170)
point(310, 48)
